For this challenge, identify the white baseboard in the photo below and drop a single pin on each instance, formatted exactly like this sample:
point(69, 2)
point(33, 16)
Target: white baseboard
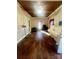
point(22, 38)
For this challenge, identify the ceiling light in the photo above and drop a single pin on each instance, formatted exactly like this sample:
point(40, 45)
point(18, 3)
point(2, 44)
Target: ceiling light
point(39, 11)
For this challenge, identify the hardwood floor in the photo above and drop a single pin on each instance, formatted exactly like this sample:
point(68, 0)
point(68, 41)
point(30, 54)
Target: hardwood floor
point(37, 45)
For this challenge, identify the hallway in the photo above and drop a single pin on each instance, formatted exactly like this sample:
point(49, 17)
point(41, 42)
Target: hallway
point(39, 27)
point(37, 45)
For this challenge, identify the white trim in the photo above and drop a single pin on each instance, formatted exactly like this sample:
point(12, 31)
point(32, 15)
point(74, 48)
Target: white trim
point(22, 38)
point(55, 10)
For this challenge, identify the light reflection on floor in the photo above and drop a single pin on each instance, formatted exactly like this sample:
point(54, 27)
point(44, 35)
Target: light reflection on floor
point(45, 33)
point(40, 34)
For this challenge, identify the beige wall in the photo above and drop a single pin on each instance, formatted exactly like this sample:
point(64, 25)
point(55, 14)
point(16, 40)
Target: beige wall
point(34, 21)
point(57, 16)
point(23, 18)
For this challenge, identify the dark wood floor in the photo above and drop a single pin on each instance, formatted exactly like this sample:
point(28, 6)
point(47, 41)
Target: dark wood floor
point(37, 45)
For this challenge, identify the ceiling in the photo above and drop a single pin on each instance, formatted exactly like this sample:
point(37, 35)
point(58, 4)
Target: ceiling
point(40, 8)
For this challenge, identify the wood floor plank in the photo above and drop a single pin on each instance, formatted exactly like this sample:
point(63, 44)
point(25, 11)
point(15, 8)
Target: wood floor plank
point(37, 45)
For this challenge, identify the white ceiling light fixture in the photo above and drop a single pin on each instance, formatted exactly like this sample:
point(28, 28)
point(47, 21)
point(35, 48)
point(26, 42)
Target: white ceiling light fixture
point(39, 10)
